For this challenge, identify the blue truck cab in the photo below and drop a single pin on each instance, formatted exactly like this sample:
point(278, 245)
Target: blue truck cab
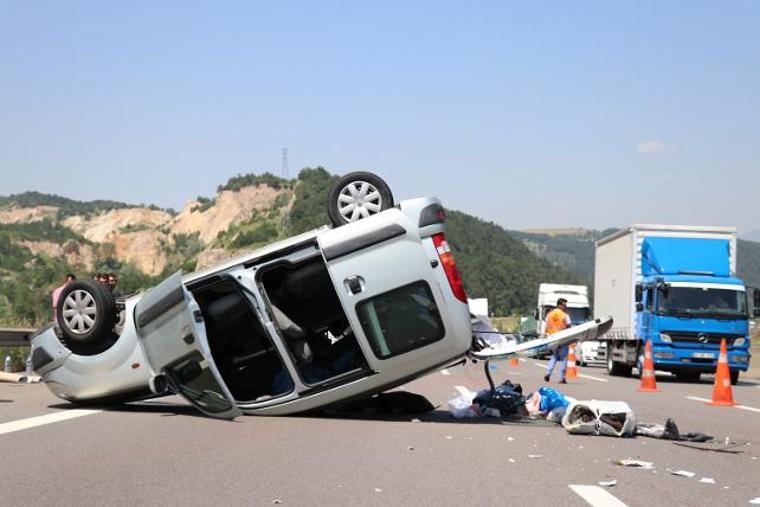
point(676, 287)
point(688, 302)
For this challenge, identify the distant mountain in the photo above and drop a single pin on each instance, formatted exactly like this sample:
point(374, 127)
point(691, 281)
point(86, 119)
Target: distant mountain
point(574, 251)
point(751, 235)
point(499, 267)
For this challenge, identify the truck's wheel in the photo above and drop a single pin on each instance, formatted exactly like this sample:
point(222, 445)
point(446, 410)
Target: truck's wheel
point(616, 368)
point(734, 377)
point(356, 196)
point(86, 314)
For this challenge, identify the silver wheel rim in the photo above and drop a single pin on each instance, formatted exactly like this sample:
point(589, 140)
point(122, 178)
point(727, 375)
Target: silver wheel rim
point(79, 312)
point(359, 199)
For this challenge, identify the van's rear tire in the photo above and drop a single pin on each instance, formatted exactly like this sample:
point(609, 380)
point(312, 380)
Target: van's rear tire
point(734, 377)
point(358, 195)
point(86, 315)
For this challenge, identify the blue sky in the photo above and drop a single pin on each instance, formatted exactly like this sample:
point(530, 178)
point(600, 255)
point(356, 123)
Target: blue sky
point(537, 114)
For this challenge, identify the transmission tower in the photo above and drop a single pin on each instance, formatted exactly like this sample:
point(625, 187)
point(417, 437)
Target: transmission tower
point(285, 172)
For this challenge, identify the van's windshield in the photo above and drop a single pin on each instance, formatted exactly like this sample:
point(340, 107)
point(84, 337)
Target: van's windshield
point(702, 302)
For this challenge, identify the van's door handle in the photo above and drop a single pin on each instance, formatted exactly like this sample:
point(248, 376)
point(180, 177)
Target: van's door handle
point(354, 284)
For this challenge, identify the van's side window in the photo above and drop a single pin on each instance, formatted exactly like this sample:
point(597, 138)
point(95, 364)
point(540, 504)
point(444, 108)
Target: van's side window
point(401, 320)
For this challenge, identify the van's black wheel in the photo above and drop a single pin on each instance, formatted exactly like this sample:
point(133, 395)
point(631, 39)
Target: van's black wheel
point(356, 196)
point(86, 314)
point(734, 377)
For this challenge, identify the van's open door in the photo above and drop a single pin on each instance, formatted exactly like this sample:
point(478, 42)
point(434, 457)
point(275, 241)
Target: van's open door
point(172, 333)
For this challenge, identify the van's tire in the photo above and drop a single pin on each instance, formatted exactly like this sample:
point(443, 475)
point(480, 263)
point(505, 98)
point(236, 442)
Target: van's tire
point(734, 377)
point(358, 195)
point(86, 315)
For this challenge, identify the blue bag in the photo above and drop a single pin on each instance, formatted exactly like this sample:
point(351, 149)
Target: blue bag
point(551, 399)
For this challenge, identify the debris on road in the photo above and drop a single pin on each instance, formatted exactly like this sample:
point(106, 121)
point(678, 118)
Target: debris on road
point(535, 456)
point(669, 431)
point(682, 473)
point(18, 378)
point(415, 420)
point(755, 501)
point(634, 463)
point(596, 417)
point(504, 400)
point(608, 484)
point(707, 480)
point(445, 372)
point(715, 446)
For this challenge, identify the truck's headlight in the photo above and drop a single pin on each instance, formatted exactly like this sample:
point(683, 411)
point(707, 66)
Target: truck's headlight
point(666, 338)
point(739, 342)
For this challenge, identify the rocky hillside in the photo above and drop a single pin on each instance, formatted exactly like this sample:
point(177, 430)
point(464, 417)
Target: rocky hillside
point(43, 237)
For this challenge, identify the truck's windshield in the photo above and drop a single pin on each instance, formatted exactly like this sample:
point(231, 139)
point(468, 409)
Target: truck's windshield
point(578, 315)
point(702, 302)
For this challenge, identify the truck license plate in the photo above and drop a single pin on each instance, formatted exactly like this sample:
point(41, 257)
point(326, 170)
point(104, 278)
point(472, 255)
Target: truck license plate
point(703, 355)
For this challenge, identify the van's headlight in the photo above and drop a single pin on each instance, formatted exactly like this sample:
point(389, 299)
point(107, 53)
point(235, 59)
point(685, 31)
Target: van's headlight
point(665, 337)
point(739, 342)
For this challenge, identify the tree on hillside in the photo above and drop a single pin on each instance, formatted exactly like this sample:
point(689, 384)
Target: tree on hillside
point(497, 266)
point(310, 206)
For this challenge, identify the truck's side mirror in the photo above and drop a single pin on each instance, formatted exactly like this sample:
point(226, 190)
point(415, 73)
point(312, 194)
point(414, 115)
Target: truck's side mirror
point(639, 293)
point(639, 307)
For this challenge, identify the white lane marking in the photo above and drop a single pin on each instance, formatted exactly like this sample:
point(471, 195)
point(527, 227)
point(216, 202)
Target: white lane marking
point(33, 422)
point(743, 407)
point(522, 359)
point(462, 390)
point(596, 496)
point(582, 375)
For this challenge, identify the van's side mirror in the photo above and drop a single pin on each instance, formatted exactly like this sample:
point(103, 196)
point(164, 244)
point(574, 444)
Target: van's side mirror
point(639, 307)
point(639, 293)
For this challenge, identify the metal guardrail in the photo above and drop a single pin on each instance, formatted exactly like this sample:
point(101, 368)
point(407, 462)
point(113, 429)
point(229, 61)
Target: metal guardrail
point(15, 337)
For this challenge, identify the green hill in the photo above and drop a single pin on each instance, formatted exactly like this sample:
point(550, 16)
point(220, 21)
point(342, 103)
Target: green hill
point(576, 253)
point(497, 266)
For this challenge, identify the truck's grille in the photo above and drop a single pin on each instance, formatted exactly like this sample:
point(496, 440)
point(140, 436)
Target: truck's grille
point(701, 338)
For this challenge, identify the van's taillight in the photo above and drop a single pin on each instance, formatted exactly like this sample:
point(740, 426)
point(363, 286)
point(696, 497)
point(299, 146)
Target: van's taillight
point(450, 267)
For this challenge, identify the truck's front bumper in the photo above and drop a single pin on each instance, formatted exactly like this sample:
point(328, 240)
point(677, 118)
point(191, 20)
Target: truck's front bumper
point(705, 361)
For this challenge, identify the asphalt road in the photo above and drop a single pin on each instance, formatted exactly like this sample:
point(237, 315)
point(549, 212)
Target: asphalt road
point(163, 452)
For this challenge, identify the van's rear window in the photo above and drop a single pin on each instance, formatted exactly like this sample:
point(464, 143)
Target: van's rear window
point(401, 320)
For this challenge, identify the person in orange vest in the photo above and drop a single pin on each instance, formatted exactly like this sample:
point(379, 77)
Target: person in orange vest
point(557, 320)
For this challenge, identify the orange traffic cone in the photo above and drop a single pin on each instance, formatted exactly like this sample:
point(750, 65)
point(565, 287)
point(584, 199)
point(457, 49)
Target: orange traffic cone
point(648, 383)
point(722, 393)
point(514, 361)
point(572, 369)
